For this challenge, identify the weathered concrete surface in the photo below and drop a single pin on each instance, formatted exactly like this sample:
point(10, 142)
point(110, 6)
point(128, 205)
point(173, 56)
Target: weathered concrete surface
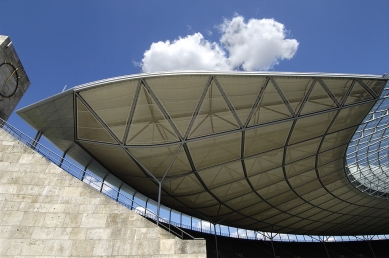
point(45, 212)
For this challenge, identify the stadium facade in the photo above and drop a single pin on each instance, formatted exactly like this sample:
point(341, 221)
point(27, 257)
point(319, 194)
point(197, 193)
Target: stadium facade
point(276, 152)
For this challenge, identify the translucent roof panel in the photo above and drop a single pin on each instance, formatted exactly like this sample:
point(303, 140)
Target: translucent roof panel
point(89, 128)
point(148, 124)
point(112, 104)
point(242, 92)
point(214, 115)
point(262, 151)
point(180, 98)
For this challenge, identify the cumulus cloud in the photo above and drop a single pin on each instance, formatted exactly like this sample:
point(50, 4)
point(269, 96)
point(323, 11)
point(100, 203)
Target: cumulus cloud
point(190, 53)
point(257, 44)
point(248, 46)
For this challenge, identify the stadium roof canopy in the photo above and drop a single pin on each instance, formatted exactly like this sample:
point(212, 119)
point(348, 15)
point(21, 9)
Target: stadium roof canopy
point(262, 151)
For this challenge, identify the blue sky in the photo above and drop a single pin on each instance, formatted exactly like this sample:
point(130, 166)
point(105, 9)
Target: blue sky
point(74, 42)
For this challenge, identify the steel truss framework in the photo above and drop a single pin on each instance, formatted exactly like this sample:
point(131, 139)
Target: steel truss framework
point(367, 155)
point(259, 151)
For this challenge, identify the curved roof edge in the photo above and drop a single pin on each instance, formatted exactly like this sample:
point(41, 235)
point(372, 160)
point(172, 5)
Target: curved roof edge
point(192, 72)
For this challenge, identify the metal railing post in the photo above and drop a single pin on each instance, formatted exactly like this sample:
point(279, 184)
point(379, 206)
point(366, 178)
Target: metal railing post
point(37, 137)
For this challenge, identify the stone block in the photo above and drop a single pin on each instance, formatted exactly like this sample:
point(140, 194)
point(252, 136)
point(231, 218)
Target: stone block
point(99, 233)
point(9, 206)
point(119, 232)
point(190, 246)
point(15, 246)
point(62, 233)
point(31, 206)
point(73, 220)
point(31, 218)
point(38, 159)
point(117, 220)
point(72, 191)
point(4, 175)
point(24, 198)
point(87, 208)
point(10, 188)
point(26, 158)
point(32, 189)
point(83, 248)
point(53, 169)
point(4, 231)
point(20, 232)
point(78, 233)
point(53, 190)
point(94, 220)
point(166, 246)
point(57, 247)
point(12, 218)
point(9, 157)
point(4, 245)
point(32, 247)
point(144, 233)
point(42, 233)
point(54, 219)
point(121, 247)
point(102, 247)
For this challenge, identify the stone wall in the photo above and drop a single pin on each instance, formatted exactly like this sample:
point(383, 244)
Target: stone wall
point(45, 212)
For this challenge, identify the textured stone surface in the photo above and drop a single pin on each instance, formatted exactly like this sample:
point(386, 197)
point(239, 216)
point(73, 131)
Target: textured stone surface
point(45, 212)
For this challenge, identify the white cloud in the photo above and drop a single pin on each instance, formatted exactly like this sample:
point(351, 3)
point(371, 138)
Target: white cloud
point(189, 53)
point(255, 45)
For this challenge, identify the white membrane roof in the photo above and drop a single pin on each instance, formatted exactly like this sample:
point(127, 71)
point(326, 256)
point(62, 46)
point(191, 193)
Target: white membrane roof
point(262, 151)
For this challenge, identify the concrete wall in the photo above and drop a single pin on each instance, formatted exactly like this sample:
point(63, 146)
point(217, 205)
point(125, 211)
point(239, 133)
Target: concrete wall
point(45, 212)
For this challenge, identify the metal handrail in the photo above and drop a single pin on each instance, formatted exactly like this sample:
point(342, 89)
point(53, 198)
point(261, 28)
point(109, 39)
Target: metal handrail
point(95, 182)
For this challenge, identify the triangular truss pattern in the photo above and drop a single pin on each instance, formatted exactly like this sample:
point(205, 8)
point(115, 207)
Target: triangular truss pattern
point(216, 150)
point(337, 87)
point(112, 104)
point(318, 100)
point(180, 164)
point(149, 125)
point(274, 190)
point(232, 190)
point(267, 178)
point(266, 138)
point(186, 185)
point(156, 160)
point(263, 162)
point(358, 93)
point(299, 166)
point(214, 115)
point(294, 90)
point(271, 107)
point(241, 92)
point(226, 173)
point(89, 128)
point(374, 85)
point(302, 150)
point(187, 89)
